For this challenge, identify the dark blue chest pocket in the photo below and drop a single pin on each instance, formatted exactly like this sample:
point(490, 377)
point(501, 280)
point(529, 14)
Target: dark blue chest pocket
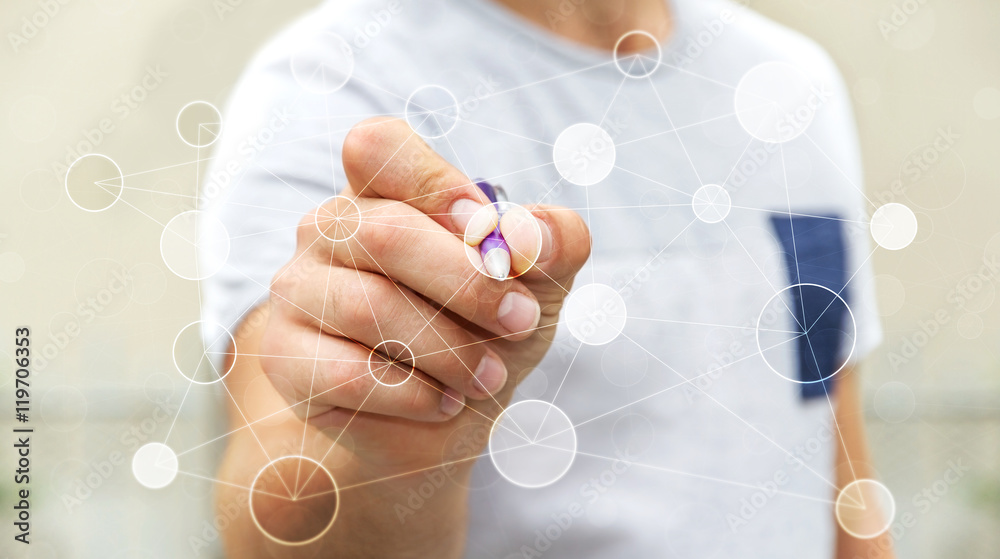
point(815, 256)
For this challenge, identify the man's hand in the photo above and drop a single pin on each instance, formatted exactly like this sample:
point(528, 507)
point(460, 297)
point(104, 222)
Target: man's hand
point(382, 328)
point(404, 275)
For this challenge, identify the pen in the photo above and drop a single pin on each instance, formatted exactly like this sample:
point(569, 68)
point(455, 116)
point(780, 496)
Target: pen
point(494, 249)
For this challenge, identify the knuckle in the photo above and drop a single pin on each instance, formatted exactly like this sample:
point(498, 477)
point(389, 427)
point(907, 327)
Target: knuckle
point(349, 304)
point(381, 238)
point(431, 184)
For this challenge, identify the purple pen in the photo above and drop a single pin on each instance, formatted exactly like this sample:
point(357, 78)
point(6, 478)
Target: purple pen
point(494, 249)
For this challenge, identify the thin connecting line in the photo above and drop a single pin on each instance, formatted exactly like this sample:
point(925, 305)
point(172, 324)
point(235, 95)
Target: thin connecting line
point(850, 181)
point(564, 75)
point(556, 395)
point(176, 415)
point(341, 434)
point(122, 199)
point(384, 165)
point(259, 442)
point(737, 416)
point(694, 475)
point(586, 191)
point(286, 183)
point(697, 75)
point(767, 279)
point(685, 382)
point(677, 133)
point(654, 181)
point(674, 130)
point(424, 469)
point(655, 257)
point(507, 132)
point(795, 251)
point(199, 159)
point(272, 414)
point(801, 214)
point(394, 476)
point(846, 284)
point(237, 486)
point(689, 323)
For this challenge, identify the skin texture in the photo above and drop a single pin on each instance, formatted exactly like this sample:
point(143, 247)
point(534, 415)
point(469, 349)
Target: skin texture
point(323, 302)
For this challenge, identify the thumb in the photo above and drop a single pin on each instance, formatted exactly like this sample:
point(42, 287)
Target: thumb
point(565, 247)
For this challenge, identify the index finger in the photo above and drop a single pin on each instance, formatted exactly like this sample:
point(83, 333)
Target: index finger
point(385, 158)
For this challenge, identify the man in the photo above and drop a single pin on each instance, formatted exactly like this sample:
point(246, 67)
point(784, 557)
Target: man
point(700, 401)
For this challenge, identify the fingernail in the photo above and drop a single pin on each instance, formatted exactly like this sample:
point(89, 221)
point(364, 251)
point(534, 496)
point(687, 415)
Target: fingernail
point(546, 251)
point(471, 220)
point(490, 375)
point(517, 312)
point(452, 402)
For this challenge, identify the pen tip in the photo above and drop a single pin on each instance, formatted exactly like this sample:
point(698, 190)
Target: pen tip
point(497, 263)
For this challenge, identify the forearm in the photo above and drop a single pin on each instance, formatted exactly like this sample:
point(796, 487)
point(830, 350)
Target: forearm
point(853, 462)
point(374, 518)
point(368, 521)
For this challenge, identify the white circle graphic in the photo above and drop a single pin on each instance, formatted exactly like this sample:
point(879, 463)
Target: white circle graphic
point(293, 490)
point(532, 444)
point(638, 64)
point(865, 508)
point(711, 203)
point(432, 111)
point(584, 154)
point(776, 102)
point(323, 63)
point(595, 314)
point(785, 320)
point(94, 182)
point(894, 226)
point(199, 124)
point(391, 363)
point(338, 219)
point(193, 359)
point(154, 465)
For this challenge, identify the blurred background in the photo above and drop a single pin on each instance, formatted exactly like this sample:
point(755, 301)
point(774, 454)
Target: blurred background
point(109, 76)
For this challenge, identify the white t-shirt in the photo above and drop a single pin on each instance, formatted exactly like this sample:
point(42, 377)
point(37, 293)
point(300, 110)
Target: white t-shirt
point(737, 462)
